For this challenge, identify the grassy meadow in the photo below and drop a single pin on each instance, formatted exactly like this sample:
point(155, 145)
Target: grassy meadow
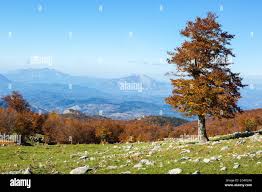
point(233, 156)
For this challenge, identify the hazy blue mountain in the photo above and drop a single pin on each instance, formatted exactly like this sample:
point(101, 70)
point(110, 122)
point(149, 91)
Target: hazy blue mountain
point(38, 76)
point(119, 98)
point(51, 76)
point(4, 80)
point(140, 85)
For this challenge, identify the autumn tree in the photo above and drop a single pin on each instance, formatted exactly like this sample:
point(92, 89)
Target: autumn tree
point(18, 117)
point(17, 102)
point(205, 86)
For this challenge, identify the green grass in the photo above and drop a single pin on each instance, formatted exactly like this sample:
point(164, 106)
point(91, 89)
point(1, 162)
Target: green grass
point(44, 159)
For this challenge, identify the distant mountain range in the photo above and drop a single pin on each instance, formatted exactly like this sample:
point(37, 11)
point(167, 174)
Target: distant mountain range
point(128, 97)
point(4, 80)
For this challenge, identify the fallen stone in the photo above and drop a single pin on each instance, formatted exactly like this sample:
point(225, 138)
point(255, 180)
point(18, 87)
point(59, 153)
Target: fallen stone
point(196, 172)
point(126, 172)
point(185, 151)
point(224, 148)
point(146, 162)
point(112, 167)
point(236, 166)
point(80, 170)
point(196, 160)
point(240, 142)
point(139, 165)
point(27, 171)
point(206, 160)
point(214, 158)
point(184, 158)
point(223, 169)
point(175, 171)
point(84, 157)
point(256, 137)
point(215, 142)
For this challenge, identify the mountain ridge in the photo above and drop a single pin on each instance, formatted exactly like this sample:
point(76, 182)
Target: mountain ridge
point(119, 98)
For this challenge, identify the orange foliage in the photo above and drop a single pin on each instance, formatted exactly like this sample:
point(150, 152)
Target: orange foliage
point(247, 121)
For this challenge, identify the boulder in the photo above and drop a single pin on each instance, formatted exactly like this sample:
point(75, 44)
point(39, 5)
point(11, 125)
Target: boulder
point(80, 170)
point(27, 171)
point(175, 171)
point(223, 169)
point(224, 148)
point(206, 160)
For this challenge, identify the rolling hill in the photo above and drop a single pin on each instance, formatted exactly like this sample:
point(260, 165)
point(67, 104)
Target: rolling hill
point(127, 97)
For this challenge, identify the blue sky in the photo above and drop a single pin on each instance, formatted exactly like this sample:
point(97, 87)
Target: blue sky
point(113, 38)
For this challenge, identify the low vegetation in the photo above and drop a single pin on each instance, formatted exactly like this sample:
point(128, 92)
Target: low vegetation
point(233, 156)
point(53, 128)
point(250, 120)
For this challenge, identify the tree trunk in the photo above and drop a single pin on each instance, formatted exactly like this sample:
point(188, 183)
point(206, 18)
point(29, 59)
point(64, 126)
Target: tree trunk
point(202, 134)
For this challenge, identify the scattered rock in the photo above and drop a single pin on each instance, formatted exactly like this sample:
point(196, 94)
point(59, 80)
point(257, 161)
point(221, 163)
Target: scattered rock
point(126, 172)
point(14, 172)
point(139, 165)
point(146, 162)
point(236, 166)
point(252, 155)
point(80, 170)
point(215, 142)
point(121, 166)
point(224, 148)
point(155, 149)
point(84, 157)
point(54, 172)
point(214, 158)
point(136, 154)
point(240, 142)
point(27, 171)
point(184, 158)
point(206, 160)
point(196, 160)
point(196, 172)
point(112, 167)
point(185, 151)
point(175, 171)
point(239, 157)
point(256, 137)
point(223, 169)
point(129, 147)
